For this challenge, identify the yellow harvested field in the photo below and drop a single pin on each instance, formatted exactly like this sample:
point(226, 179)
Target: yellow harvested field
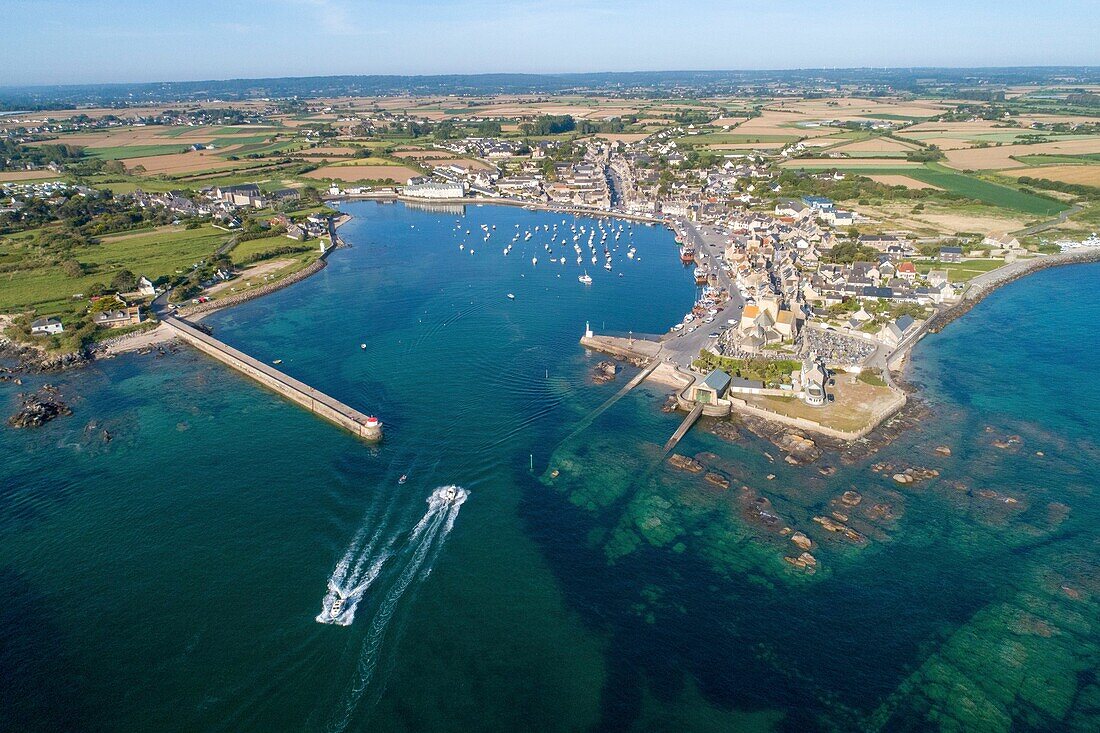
point(744, 146)
point(398, 173)
point(782, 123)
point(723, 121)
point(42, 175)
point(330, 150)
point(417, 154)
point(1000, 158)
point(898, 180)
point(875, 145)
point(476, 165)
point(1087, 175)
point(853, 163)
point(192, 161)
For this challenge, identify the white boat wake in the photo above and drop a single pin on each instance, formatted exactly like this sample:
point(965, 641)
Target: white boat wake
point(425, 541)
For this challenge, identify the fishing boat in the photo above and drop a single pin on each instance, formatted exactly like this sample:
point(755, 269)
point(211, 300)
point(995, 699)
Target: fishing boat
point(585, 278)
point(534, 260)
point(687, 254)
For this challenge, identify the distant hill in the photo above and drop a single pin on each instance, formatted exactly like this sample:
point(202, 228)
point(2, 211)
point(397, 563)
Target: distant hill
point(663, 83)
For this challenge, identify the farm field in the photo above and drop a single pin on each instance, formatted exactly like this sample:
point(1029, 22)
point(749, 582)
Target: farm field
point(39, 175)
point(1003, 157)
point(1088, 175)
point(850, 163)
point(190, 162)
point(875, 145)
point(398, 173)
point(900, 180)
point(157, 253)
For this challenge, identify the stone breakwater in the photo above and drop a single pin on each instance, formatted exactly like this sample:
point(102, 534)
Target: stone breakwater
point(238, 298)
point(983, 285)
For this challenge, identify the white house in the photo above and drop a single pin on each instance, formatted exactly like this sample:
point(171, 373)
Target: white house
point(145, 286)
point(46, 326)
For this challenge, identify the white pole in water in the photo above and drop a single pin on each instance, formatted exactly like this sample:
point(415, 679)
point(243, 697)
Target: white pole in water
point(532, 463)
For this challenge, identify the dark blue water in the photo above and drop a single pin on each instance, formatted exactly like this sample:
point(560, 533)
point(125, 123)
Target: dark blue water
point(169, 579)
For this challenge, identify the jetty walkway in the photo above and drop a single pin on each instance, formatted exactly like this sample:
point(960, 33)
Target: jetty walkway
point(320, 404)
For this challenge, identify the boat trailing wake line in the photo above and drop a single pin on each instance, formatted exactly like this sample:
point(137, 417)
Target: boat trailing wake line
point(424, 545)
point(358, 568)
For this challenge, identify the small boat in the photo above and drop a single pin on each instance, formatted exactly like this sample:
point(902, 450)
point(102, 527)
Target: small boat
point(336, 607)
point(511, 296)
point(585, 278)
point(450, 494)
point(534, 260)
point(403, 479)
point(362, 346)
point(277, 361)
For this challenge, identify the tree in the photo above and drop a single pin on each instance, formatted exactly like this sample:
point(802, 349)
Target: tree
point(124, 281)
point(72, 268)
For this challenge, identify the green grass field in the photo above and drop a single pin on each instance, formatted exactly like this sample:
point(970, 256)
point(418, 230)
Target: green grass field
point(154, 254)
point(959, 271)
point(133, 151)
point(246, 250)
point(1083, 159)
point(990, 193)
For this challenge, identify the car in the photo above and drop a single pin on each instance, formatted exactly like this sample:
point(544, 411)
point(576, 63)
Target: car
point(708, 319)
point(731, 321)
point(713, 311)
point(689, 318)
point(714, 334)
point(677, 327)
point(692, 329)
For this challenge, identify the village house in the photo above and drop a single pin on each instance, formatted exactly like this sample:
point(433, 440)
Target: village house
point(46, 326)
point(118, 318)
point(951, 254)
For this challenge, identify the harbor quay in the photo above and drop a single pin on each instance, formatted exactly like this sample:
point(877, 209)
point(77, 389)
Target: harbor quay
point(367, 427)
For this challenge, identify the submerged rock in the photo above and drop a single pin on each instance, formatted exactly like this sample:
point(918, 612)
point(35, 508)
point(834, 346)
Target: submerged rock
point(718, 480)
point(685, 464)
point(805, 561)
point(726, 430)
point(803, 542)
point(604, 372)
point(943, 450)
point(38, 409)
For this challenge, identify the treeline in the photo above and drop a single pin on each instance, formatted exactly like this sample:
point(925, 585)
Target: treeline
point(14, 156)
point(549, 125)
point(1077, 189)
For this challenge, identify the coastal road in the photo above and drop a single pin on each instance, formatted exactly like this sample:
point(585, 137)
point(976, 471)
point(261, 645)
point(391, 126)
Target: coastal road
point(710, 247)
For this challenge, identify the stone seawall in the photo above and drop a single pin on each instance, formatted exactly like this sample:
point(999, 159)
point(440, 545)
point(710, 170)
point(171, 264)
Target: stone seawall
point(983, 285)
point(237, 298)
point(298, 392)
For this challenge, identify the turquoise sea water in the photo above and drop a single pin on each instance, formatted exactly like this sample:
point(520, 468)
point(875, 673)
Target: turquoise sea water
point(170, 579)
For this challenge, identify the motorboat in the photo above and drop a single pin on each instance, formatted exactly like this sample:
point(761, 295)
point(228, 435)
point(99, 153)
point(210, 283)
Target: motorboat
point(449, 494)
point(403, 479)
point(336, 607)
point(277, 361)
point(511, 296)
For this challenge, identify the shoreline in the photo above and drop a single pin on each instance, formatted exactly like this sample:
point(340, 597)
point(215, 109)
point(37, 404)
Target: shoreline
point(895, 362)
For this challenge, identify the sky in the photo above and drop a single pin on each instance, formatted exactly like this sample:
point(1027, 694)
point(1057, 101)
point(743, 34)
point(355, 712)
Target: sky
point(95, 41)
